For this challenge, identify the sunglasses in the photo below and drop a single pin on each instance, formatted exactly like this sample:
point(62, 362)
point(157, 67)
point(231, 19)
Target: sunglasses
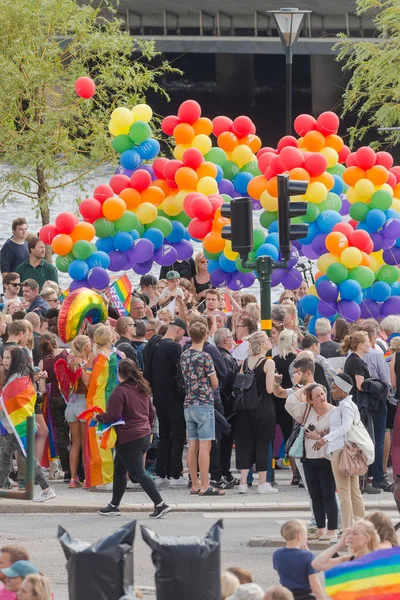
point(15, 284)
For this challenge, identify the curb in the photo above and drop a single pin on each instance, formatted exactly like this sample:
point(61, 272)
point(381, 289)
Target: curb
point(277, 542)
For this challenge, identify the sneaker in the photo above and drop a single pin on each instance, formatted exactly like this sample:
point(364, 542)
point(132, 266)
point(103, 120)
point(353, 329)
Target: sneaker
point(67, 476)
point(301, 484)
point(243, 488)
point(370, 489)
point(150, 474)
point(234, 480)
point(49, 495)
point(181, 482)
point(266, 488)
point(160, 511)
point(74, 483)
point(110, 511)
point(161, 481)
point(57, 474)
point(85, 486)
point(222, 484)
point(274, 484)
point(384, 485)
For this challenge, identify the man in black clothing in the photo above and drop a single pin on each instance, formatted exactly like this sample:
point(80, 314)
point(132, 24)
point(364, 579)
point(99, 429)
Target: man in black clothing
point(185, 268)
point(15, 250)
point(125, 327)
point(329, 348)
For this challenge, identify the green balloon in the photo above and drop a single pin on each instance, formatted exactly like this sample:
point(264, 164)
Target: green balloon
point(122, 142)
point(337, 273)
point(258, 239)
point(364, 275)
point(226, 197)
point(253, 255)
point(359, 210)
point(163, 224)
point(211, 255)
point(332, 202)
point(337, 170)
point(140, 229)
point(267, 217)
point(182, 218)
point(388, 273)
point(381, 199)
point(216, 156)
point(139, 132)
point(251, 167)
point(93, 246)
point(104, 228)
point(311, 215)
point(161, 213)
point(63, 262)
point(127, 222)
point(240, 267)
point(297, 220)
point(82, 249)
point(230, 170)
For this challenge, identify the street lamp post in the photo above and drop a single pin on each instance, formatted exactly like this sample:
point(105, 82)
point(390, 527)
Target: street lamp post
point(288, 22)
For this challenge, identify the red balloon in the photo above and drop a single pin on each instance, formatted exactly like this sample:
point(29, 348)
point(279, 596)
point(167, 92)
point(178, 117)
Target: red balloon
point(353, 223)
point(315, 164)
point(216, 201)
point(90, 209)
point(369, 248)
point(201, 208)
point(351, 160)
point(304, 123)
point(344, 228)
point(192, 158)
point(65, 222)
point(365, 158)
point(328, 123)
point(243, 126)
point(120, 182)
point(290, 158)
point(396, 173)
point(360, 239)
point(48, 233)
point(199, 229)
point(85, 87)
point(385, 159)
point(221, 124)
point(172, 184)
point(343, 154)
point(158, 167)
point(169, 123)
point(264, 161)
point(276, 166)
point(266, 149)
point(392, 180)
point(287, 140)
point(140, 180)
point(103, 192)
point(170, 168)
point(189, 112)
point(187, 203)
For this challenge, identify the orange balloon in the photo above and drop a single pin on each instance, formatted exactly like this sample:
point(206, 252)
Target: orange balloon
point(336, 242)
point(219, 221)
point(326, 178)
point(272, 187)
point(314, 141)
point(227, 141)
point(299, 174)
point(62, 244)
point(207, 169)
point(257, 186)
point(352, 175)
point(113, 208)
point(183, 133)
point(83, 231)
point(378, 175)
point(396, 191)
point(252, 141)
point(366, 260)
point(300, 143)
point(161, 183)
point(153, 194)
point(213, 242)
point(335, 142)
point(186, 178)
point(203, 125)
point(131, 198)
point(318, 274)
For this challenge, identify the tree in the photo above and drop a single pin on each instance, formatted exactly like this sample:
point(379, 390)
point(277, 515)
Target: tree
point(373, 92)
point(49, 137)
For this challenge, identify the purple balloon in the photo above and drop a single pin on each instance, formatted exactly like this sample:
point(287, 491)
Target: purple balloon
point(391, 228)
point(378, 240)
point(277, 276)
point(345, 205)
point(98, 278)
point(236, 194)
point(391, 306)
point(118, 261)
point(166, 255)
point(75, 285)
point(349, 310)
point(297, 244)
point(220, 278)
point(141, 251)
point(226, 187)
point(292, 279)
point(242, 280)
point(294, 258)
point(309, 252)
point(184, 249)
point(143, 268)
point(370, 309)
point(256, 204)
point(120, 170)
point(391, 256)
point(388, 243)
point(327, 309)
point(318, 244)
point(328, 291)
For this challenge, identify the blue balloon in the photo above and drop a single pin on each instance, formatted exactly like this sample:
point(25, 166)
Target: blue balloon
point(310, 304)
point(313, 231)
point(229, 266)
point(122, 241)
point(212, 265)
point(105, 244)
point(130, 159)
point(273, 227)
point(78, 269)
point(149, 149)
point(220, 174)
point(241, 182)
point(391, 214)
point(320, 280)
point(339, 185)
point(311, 325)
point(268, 250)
point(359, 298)
point(98, 259)
point(135, 234)
point(375, 219)
point(155, 236)
point(187, 235)
point(177, 234)
point(350, 290)
point(272, 238)
point(395, 288)
point(364, 227)
point(381, 291)
point(327, 220)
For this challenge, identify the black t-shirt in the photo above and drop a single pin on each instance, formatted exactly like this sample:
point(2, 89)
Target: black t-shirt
point(164, 373)
point(185, 268)
point(282, 366)
point(330, 349)
point(355, 365)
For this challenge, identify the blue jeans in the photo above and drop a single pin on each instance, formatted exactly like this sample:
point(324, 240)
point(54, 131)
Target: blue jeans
point(200, 422)
point(379, 420)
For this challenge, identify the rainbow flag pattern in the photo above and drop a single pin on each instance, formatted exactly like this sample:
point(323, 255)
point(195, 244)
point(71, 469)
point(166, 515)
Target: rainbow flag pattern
point(18, 403)
point(121, 291)
point(99, 466)
point(375, 576)
point(50, 451)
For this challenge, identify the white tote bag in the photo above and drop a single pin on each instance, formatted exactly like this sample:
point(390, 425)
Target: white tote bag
point(359, 435)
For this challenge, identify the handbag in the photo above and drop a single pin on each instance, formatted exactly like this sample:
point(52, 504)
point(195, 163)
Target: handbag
point(359, 436)
point(245, 389)
point(352, 461)
point(296, 448)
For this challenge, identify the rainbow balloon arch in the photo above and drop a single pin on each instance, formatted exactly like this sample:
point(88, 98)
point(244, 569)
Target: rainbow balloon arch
point(154, 208)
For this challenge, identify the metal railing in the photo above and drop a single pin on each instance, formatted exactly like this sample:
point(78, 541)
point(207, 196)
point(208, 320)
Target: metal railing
point(27, 494)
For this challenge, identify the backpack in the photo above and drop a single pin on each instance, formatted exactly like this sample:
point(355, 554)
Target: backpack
point(245, 389)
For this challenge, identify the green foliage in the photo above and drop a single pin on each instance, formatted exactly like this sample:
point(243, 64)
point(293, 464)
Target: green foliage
point(373, 92)
point(46, 131)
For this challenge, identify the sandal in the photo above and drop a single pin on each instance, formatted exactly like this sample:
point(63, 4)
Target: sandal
point(212, 492)
point(295, 480)
point(194, 492)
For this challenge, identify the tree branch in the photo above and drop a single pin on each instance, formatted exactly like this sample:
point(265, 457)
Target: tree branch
point(22, 194)
point(62, 185)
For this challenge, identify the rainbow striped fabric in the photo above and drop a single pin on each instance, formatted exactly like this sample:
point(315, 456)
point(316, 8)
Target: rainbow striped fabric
point(375, 576)
point(99, 467)
point(18, 403)
point(120, 292)
point(50, 451)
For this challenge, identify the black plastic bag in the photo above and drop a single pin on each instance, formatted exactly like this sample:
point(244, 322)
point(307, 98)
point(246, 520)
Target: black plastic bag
point(186, 567)
point(102, 570)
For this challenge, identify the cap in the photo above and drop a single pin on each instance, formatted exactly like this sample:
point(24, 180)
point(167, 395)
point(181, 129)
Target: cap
point(21, 568)
point(248, 591)
point(179, 323)
point(146, 280)
point(344, 382)
point(173, 275)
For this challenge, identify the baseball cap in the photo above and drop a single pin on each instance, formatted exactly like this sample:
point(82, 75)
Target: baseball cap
point(179, 323)
point(173, 275)
point(147, 280)
point(21, 568)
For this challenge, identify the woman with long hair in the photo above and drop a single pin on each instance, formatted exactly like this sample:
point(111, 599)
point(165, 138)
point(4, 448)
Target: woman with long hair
point(386, 531)
point(201, 280)
point(131, 402)
point(35, 587)
point(17, 403)
point(355, 366)
point(340, 330)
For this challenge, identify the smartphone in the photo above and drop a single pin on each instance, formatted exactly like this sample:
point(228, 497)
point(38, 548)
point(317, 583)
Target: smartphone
point(311, 427)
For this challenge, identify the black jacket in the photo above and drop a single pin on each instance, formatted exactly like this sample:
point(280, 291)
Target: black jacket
point(232, 368)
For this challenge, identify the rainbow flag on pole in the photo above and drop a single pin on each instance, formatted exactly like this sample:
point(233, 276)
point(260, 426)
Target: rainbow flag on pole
point(121, 291)
point(375, 576)
point(17, 404)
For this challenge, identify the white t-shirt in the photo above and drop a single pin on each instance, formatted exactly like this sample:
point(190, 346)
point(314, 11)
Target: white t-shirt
point(166, 293)
point(241, 352)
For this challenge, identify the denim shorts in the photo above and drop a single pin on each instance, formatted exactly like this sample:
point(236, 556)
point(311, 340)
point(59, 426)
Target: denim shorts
point(200, 422)
point(75, 407)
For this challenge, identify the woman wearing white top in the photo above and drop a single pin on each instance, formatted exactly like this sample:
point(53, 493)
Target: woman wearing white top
point(351, 502)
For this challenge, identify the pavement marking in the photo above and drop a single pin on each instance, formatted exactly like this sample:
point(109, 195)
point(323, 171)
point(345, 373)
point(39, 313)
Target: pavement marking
point(304, 515)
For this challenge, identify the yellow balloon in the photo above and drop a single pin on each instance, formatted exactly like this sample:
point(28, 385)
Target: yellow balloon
point(364, 188)
point(378, 257)
point(387, 188)
point(146, 212)
point(122, 118)
point(316, 192)
point(207, 186)
point(179, 150)
point(331, 156)
point(268, 202)
point(181, 195)
point(172, 205)
point(229, 253)
point(375, 264)
point(241, 155)
point(312, 290)
point(325, 261)
point(351, 257)
point(142, 112)
point(396, 204)
point(352, 196)
point(202, 142)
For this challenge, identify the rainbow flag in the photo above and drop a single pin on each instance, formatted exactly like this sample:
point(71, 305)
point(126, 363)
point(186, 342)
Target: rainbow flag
point(18, 403)
point(99, 467)
point(50, 451)
point(375, 576)
point(64, 294)
point(121, 291)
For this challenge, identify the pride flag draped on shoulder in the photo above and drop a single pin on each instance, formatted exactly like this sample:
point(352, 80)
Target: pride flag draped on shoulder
point(18, 403)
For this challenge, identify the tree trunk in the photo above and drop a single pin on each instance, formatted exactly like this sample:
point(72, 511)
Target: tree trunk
point(43, 198)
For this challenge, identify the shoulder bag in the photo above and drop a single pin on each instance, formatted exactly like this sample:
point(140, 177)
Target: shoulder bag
point(245, 389)
point(295, 444)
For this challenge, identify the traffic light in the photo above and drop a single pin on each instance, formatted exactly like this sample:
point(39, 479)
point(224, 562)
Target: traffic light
point(240, 231)
point(287, 210)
